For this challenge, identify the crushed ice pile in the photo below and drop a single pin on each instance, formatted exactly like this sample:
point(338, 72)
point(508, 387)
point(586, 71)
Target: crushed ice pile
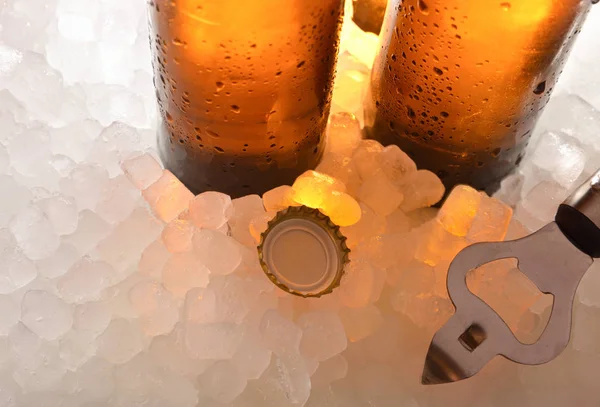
point(118, 287)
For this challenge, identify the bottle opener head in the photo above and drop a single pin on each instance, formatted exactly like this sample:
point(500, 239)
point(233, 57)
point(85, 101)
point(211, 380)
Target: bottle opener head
point(554, 258)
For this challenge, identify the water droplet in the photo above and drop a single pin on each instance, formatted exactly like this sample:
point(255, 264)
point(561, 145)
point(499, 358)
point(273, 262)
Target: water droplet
point(235, 108)
point(220, 86)
point(169, 117)
point(423, 8)
point(540, 88)
point(219, 149)
point(438, 71)
point(212, 134)
point(496, 152)
point(505, 6)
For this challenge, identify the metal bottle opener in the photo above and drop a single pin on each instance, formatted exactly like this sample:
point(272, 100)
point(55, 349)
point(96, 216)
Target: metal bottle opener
point(554, 258)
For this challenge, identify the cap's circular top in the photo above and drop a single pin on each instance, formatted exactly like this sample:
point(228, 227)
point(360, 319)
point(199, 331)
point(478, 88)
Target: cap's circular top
point(303, 252)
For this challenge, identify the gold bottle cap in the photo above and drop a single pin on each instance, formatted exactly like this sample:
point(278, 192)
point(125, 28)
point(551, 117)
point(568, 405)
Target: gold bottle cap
point(303, 252)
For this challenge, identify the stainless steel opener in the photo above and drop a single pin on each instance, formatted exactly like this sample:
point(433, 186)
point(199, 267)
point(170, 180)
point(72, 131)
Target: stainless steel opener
point(555, 258)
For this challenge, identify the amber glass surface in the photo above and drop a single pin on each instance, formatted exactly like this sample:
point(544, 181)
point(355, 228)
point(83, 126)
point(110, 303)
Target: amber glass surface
point(459, 84)
point(244, 88)
point(369, 14)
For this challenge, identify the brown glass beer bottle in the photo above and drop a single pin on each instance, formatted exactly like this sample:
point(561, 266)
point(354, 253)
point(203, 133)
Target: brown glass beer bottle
point(459, 84)
point(244, 89)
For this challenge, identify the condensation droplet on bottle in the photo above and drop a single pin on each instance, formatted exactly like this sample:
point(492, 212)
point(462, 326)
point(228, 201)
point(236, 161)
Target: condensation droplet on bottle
point(540, 88)
point(505, 6)
point(423, 8)
point(212, 134)
point(220, 86)
point(235, 108)
point(438, 71)
point(169, 117)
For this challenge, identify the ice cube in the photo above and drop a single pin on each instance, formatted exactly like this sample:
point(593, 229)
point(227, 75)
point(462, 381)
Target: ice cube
point(286, 381)
point(459, 210)
point(120, 342)
point(200, 306)
point(396, 164)
point(342, 209)
point(169, 352)
point(341, 167)
point(61, 212)
point(118, 137)
point(76, 348)
point(370, 224)
point(313, 188)
point(367, 159)
point(40, 368)
point(34, 233)
point(491, 222)
point(7, 397)
point(86, 183)
point(38, 87)
point(540, 204)
point(46, 315)
point(118, 201)
point(30, 149)
point(213, 341)
point(572, 115)
point(221, 254)
point(438, 245)
point(222, 381)
point(561, 155)
point(142, 170)
point(168, 197)
point(279, 333)
point(510, 189)
point(153, 260)
point(91, 228)
point(85, 281)
point(252, 357)
point(16, 270)
point(349, 89)
point(233, 298)
point(96, 377)
point(11, 314)
point(177, 236)
point(244, 210)
point(19, 197)
point(360, 322)
point(323, 335)
point(211, 210)
point(278, 198)
point(4, 159)
point(380, 194)
point(329, 371)
point(92, 317)
point(357, 283)
point(123, 247)
point(77, 148)
point(146, 296)
point(156, 306)
point(421, 189)
point(343, 134)
point(398, 222)
point(260, 224)
point(184, 271)
point(418, 280)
